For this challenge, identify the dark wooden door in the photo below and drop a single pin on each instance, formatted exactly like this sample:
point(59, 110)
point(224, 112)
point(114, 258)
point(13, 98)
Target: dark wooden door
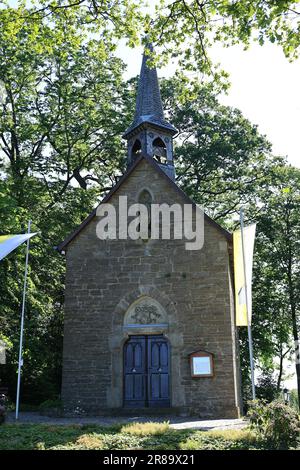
point(135, 387)
point(158, 372)
point(146, 372)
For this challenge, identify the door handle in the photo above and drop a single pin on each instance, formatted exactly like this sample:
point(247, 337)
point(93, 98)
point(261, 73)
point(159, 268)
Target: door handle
point(160, 369)
point(133, 370)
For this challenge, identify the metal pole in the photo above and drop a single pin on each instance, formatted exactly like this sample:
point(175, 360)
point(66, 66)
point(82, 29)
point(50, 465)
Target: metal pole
point(247, 308)
point(22, 326)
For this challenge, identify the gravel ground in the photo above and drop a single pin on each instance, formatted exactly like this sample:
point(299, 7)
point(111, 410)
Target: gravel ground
point(175, 422)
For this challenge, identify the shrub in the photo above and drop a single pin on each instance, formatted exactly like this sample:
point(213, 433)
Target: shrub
point(294, 403)
point(90, 441)
point(266, 388)
point(275, 422)
point(146, 429)
point(229, 439)
point(121, 442)
point(2, 408)
point(46, 405)
point(51, 408)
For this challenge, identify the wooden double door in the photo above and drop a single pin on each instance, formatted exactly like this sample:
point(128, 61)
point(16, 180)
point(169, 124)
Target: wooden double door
point(146, 372)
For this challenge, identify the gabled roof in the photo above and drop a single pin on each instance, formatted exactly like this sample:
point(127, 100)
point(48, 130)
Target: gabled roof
point(152, 162)
point(149, 107)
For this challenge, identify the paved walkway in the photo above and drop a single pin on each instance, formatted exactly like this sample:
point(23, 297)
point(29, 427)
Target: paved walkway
point(175, 422)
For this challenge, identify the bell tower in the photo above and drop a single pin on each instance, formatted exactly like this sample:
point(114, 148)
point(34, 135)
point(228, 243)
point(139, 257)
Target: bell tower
point(150, 134)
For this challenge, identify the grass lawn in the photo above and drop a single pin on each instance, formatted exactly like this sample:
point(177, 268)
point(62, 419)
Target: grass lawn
point(149, 436)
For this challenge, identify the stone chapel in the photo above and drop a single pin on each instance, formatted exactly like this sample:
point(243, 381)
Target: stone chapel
point(149, 324)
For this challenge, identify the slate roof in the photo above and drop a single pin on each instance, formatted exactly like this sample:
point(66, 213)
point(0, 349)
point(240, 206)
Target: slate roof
point(152, 162)
point(149, 107)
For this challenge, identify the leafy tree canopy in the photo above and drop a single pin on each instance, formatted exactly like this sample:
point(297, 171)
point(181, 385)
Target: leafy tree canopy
point(184, 29)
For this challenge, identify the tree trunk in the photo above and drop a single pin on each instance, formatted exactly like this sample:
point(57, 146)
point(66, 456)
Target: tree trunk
point(297, 359)
point(294, 322)
point(280, 370)
point(282, 355)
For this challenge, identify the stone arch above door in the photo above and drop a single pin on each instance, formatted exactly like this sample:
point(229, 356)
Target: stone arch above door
point(145, 295)
point(154, 305)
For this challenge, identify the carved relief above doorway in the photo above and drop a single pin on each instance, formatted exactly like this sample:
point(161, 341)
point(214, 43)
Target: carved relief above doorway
point(145, 311)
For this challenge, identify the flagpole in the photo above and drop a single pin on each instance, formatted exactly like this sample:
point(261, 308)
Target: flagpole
point(247, 308)
point(20, 364)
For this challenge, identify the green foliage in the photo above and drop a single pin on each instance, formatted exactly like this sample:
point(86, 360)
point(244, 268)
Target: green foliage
point(56, 119)
point(277, 299)
point(276, 423)
point(78, 437)
point(200, 24)
point(60, 138)
point(6, 341)
point(50, 405)
point(3, 408)
point(266, 388)
point(223, 163)
point(149, 428)
point(180, 29)
point(222, 440)
point(294, 403)
point(221, 160)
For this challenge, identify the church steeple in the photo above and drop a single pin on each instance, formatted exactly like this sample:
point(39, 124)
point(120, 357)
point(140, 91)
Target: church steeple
point(150, 134)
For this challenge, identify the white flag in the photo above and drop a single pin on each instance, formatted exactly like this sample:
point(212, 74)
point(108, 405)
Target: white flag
point(9, 242)
point(240, 272)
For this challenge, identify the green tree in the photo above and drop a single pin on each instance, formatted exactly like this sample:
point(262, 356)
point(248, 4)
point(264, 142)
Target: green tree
point(61, 111)
point(272, 328)
point(56, 117)
point(267, 388)
point(191, 27)
point(187, 28)
point(280, 225)
point(223, 163)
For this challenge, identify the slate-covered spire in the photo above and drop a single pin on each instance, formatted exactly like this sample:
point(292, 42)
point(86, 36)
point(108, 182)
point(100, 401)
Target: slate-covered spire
point(148, 102)
point(150, 134)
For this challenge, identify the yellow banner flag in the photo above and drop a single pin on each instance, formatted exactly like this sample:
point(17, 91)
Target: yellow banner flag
point(243, 274)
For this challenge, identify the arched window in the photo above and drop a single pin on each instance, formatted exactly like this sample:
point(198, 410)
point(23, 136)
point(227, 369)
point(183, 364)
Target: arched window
point(145, 198)
point(159, 150)
point(136, 149)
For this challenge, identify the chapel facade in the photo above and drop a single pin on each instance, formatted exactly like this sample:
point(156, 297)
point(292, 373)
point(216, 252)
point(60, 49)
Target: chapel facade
point(149, 324)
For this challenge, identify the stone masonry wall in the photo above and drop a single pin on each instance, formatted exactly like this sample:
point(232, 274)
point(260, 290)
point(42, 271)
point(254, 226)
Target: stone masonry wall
point(194, 287)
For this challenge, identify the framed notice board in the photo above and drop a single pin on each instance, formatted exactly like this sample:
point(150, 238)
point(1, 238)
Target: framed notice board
point(202, 364)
